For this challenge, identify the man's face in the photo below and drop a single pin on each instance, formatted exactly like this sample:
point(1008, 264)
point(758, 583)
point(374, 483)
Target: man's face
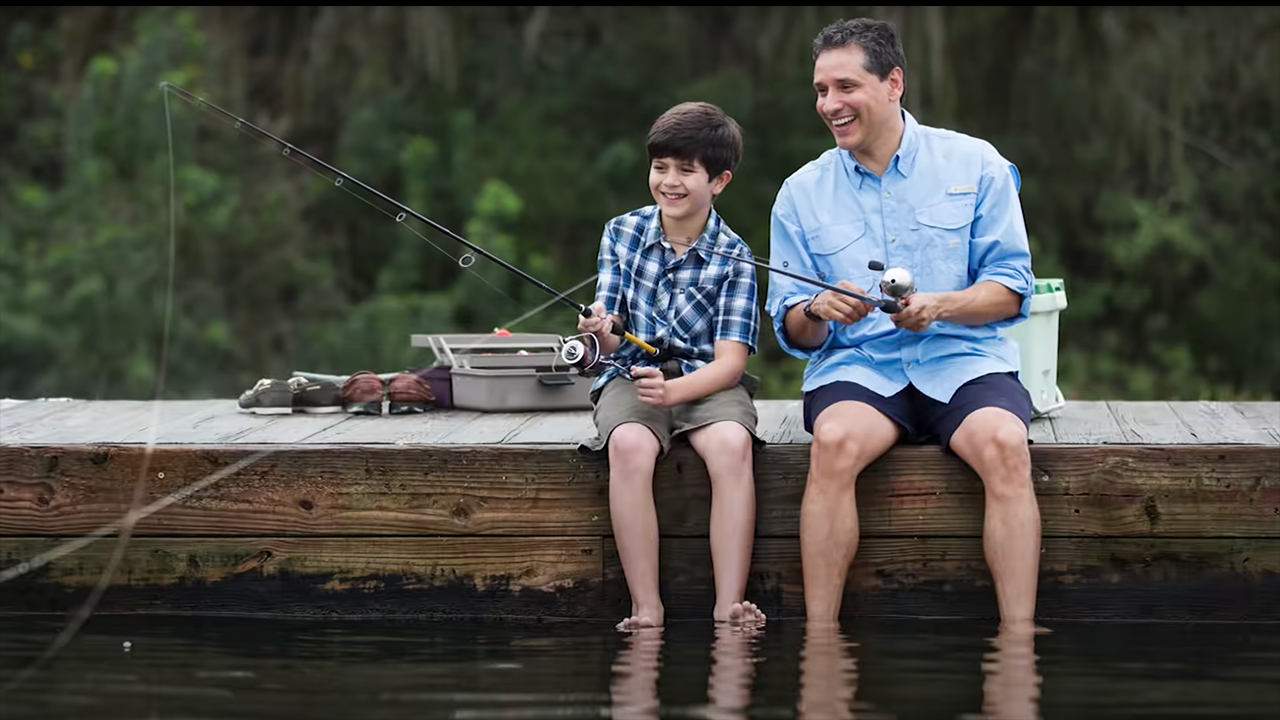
point(856, 105)
point(681, 187)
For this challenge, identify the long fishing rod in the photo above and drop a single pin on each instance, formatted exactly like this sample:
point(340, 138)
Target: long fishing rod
point(405, 210)
point(896, 282)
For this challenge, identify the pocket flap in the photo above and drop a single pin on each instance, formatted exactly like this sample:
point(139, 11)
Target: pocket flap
point(948, 215)
point(833, 238)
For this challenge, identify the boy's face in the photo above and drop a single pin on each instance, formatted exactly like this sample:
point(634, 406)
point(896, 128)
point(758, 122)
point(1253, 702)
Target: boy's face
point(682, 188)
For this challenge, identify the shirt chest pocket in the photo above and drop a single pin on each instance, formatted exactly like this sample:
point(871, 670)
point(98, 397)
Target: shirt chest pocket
point(841, 251)
point(693, 309)
point(942, 258)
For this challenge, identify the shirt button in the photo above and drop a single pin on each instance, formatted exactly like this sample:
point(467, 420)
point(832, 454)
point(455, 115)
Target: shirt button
point(893, 239)
point(908, 366)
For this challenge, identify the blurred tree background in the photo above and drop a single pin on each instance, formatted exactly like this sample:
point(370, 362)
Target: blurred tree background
point(1148, 140)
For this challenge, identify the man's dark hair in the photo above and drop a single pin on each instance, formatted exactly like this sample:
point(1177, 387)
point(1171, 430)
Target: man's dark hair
point(877, 38)
point(697, 131)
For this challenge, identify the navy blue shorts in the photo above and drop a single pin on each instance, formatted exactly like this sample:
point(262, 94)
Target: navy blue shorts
point(922, 419)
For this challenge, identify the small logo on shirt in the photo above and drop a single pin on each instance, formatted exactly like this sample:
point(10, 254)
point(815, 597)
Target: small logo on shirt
point(961, 189)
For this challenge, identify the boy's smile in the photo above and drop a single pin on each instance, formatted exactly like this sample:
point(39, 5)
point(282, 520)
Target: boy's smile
point(683, 191)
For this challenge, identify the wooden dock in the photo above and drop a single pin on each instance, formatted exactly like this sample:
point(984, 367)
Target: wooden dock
point(1149, 511)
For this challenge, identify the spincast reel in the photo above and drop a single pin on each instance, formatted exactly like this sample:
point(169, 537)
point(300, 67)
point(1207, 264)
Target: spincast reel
point(896, 284)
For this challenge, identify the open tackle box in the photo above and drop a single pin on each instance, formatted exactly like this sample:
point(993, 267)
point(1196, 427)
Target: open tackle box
point(502, 372)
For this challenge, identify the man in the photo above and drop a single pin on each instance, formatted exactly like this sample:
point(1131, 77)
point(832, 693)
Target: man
point(945, 207)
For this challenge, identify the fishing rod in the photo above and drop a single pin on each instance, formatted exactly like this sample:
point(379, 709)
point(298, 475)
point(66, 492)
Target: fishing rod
point(288, 148)
point(896, 283)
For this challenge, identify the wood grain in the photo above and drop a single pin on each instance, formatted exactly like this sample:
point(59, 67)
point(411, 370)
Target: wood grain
point(1112, 491)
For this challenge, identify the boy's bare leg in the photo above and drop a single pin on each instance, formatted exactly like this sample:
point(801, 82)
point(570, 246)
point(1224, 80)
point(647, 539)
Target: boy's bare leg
point(725, 448)
point(847, 437)
point(633, 452)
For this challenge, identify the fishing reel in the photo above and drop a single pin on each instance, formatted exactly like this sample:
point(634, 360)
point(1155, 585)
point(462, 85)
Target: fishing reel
point(895, 286)
point(582, 353)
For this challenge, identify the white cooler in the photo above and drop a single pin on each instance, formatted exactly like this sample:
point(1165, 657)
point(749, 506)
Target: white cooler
point(1037, 339)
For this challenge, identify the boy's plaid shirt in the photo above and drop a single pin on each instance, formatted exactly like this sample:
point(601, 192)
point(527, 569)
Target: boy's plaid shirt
point(687, 302)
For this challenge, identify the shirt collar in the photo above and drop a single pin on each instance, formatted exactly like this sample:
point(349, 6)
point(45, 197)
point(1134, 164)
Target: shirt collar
point(710, 233)
point(903, 161)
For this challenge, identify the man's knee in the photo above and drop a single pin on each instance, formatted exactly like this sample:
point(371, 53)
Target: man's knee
point(994, 442)
point(847, 437)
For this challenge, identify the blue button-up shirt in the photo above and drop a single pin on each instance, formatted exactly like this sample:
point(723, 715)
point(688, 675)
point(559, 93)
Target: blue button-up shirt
point(686, 303)
point(947, 211)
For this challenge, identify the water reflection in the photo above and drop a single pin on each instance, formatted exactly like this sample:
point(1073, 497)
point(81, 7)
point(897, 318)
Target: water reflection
point(635, 673)
point(828, 674)
point(1010, 680)
point(634, 687)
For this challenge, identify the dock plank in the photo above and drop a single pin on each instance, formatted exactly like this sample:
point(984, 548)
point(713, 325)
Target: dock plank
point(1178, 491)
point(780, 423)
point(1080, 578)
point(1087, 423)
point(1151, 423)
point(1218, 422)
point(395, 576)
point(21, 421)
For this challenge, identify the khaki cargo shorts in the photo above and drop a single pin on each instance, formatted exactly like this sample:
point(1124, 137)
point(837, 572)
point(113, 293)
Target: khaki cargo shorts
point(617, 403)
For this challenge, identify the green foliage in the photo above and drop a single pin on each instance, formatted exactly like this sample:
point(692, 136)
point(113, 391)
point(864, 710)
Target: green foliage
point(1147, 139)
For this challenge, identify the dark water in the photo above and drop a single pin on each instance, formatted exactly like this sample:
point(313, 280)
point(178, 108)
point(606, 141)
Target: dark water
point(203, 668)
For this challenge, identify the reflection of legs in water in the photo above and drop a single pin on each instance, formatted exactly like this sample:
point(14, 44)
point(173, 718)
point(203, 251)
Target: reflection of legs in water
point(732, 672)
point(634, 688)
point(828, 674)
point(1010, 683)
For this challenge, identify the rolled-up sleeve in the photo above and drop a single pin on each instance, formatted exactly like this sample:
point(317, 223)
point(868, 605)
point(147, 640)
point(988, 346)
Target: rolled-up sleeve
point(1000, 251)
point(787, 252)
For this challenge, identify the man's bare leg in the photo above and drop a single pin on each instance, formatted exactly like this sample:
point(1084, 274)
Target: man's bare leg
point(633, 453)
point(725, 448)
point(847, 437)
point(993, 442)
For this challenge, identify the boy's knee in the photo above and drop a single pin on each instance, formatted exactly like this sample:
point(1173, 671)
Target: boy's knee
point(633, 443)
point(721, 439)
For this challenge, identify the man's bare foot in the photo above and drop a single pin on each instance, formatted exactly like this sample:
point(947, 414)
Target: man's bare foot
point(740, 613)
point(1023, 627)
point(642, 618)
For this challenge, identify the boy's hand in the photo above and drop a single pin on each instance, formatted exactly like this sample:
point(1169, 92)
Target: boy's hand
point(599, 324)
point(651, 386)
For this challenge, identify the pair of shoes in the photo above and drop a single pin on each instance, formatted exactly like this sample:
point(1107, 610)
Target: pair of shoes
point(270, 396)
point(363, 391)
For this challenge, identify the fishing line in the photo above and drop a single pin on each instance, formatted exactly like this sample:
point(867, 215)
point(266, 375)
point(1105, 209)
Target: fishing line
point(289, 150)
point(125, 525)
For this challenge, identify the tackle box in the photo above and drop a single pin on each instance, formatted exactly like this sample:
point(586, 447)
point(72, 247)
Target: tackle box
point(513, 372)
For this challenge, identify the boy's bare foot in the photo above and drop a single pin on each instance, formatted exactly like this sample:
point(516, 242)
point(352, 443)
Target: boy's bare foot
point(740, 613)
point(642, 618)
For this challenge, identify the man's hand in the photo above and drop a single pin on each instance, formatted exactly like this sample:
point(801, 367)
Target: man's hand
point(652, 386)
point(599, 324)
point(830, 305)
point(918, 312)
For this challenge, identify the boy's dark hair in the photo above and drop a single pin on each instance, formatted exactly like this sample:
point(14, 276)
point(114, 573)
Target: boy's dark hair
point(878, 39)
point(697, 131)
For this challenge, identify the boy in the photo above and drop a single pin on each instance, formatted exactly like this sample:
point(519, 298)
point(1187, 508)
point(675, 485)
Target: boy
point(656, 281)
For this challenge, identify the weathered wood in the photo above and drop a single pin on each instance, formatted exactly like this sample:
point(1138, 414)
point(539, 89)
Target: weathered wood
point(1184, 491)
point(554, 577)
point(1080, 578)
point(219, 422)
point(1083, 578)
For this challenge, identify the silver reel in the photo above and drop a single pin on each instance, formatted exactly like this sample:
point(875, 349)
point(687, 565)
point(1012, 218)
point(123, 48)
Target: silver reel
point(582, 353)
